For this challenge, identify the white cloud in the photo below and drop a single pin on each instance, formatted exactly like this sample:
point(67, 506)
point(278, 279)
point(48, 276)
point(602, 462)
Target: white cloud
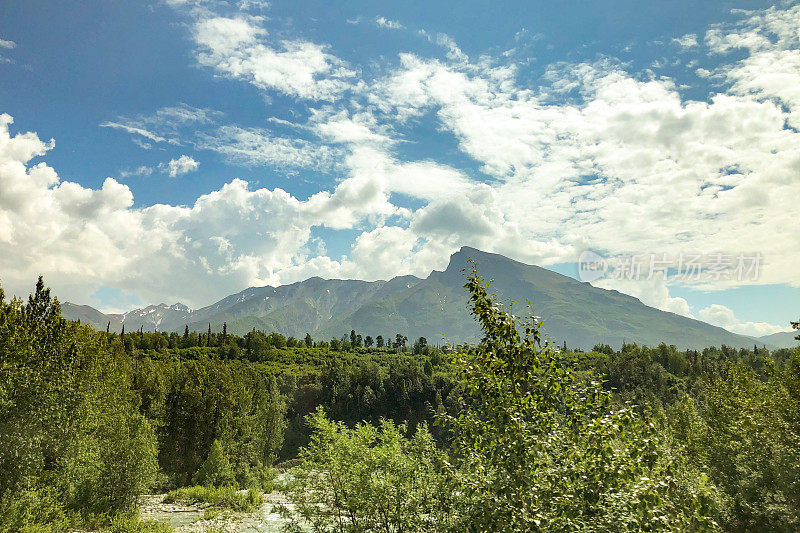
point(356, 129)
point(237, 48)
point(568, 174)
point(597, 156)
point(724, 317)
point(135, 131)
point(257, 146)
point(143, 170)
point(687, 41)
point(383, 22)
point(257, 5)
point(165, 124)
point(7, 44)
point(772, 69)
point(183, 165)
point(84, 238)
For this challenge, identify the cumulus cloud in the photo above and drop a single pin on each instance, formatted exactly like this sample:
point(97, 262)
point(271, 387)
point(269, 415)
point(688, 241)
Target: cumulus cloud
point(183, 165)
point(653, 292)
point(594, 156)
point(7, 44)
point(238, 48)
point(175, 167)
point(687, 41)
point(724, 317)
point(718, 174)
point(84, 238)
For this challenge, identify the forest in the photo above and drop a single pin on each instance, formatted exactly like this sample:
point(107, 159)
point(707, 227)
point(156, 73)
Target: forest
point(379, 433)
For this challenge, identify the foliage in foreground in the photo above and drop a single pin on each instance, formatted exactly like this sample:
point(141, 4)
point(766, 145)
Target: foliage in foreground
point(543, 450)
point(369, 479)
point(73, 440)
point(131, 522)
point(535, 450)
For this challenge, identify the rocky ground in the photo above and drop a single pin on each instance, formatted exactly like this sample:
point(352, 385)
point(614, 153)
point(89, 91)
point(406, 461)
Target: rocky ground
point(206, 519)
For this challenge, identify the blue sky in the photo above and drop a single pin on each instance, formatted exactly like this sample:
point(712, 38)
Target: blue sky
point(204, 146)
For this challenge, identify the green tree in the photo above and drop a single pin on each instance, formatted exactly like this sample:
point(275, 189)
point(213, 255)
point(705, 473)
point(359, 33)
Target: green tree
point(216, 469)
point(71, 435)
point(545, 451)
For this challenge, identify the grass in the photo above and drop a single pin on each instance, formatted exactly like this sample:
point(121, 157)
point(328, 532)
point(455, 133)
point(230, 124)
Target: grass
point(222, 497)
point(133, 523)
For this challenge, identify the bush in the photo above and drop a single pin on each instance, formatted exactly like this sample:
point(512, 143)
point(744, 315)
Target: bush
point(368, 479)
point(227, 497)
point(32, 510)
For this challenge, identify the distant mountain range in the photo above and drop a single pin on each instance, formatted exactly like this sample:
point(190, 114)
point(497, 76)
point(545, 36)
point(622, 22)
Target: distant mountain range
point(435, 307)
point(783, 339)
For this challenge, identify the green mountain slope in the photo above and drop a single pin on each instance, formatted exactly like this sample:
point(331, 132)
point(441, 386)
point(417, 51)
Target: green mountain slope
point(436, 308)
point(295, 309)
point(575, 312)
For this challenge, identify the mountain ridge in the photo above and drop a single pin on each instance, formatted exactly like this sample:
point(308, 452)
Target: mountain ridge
point(435, 307)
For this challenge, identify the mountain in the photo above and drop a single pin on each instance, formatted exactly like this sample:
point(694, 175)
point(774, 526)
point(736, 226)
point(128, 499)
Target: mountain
point(782, 339)
point(298, 308)
point(435, 307)
point(294, 309)
point(90, 315)
point(572, 311)
point(161, 317)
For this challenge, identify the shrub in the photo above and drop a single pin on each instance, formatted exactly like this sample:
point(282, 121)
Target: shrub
point(32, 510)
point(368, 479)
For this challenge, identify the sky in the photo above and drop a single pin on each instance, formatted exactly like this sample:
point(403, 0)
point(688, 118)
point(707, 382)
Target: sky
point(179, 150)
